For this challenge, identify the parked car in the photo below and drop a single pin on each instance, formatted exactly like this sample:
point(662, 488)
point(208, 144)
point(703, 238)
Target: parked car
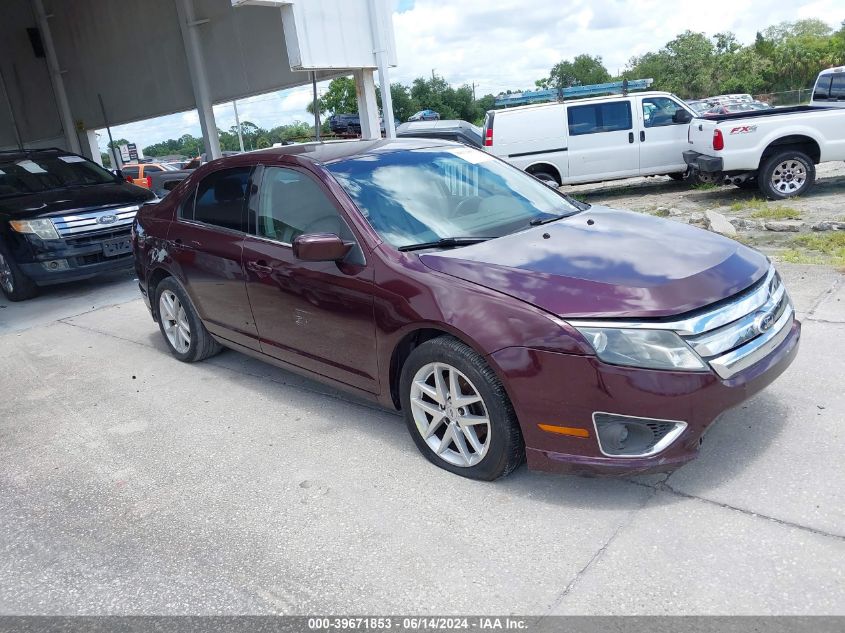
point(62, 218)
point(738, 106)
point(450, 130)
point(829, 91)
point(345, 124)
point(505, 320)
point(700, 106)
point(775, 149)
point(163, 182)
point(425, 115)
point(590, 140)
point(140, 172)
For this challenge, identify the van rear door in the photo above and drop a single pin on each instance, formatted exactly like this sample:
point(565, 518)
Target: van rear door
point(602, 143)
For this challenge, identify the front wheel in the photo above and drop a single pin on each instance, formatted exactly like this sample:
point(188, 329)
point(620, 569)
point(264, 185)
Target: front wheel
point(457, 411)
point(15, 285)
point(785, 175)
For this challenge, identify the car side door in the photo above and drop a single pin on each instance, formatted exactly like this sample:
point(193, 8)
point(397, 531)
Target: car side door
point(314, 315)
point(206, 244)
point(602, 141)
point(663, 139)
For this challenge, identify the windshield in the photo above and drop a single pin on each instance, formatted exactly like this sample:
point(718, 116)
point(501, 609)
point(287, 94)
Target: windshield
point(41, 173)
point(425, 195)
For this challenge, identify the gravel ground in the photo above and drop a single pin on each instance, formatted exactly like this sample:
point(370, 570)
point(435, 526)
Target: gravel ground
point(779, 228)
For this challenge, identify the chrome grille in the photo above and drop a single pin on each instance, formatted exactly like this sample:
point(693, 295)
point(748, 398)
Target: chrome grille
point(91, 221)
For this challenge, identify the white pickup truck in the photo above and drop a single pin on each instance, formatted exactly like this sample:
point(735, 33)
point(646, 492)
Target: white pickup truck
point(775, 150)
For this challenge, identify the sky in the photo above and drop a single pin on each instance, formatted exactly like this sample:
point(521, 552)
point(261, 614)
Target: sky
point(507, 44)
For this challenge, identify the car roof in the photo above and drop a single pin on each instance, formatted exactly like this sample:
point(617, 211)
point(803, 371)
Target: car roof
point(830, 71)
point(533, 106)
point(442, 124)
point(29, 153)
point(331, 151)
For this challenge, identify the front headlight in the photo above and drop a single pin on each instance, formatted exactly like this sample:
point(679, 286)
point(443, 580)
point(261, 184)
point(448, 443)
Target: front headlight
point(651, 349)
point(42, 228)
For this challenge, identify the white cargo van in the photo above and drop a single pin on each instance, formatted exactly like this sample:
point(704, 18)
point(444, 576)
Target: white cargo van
point(829, 91)
point(590, 140)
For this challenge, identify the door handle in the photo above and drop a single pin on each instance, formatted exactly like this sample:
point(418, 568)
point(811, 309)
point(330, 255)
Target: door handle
point(259, 266)
point(177, 243)
point(642, 136)
point(630, 137)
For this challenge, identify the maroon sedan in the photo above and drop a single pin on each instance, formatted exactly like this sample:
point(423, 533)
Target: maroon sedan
point(504, 319)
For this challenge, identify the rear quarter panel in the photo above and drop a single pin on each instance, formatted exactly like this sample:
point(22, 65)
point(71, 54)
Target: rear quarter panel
point(527, 137)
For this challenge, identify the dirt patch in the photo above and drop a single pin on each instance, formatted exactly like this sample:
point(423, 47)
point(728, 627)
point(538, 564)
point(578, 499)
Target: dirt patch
point(781, 229)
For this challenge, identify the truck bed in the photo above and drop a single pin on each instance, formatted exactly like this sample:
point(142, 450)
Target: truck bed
point(756, 114)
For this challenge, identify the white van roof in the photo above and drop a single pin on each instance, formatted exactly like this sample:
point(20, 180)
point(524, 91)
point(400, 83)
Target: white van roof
point(535, 106)
point(830, 71)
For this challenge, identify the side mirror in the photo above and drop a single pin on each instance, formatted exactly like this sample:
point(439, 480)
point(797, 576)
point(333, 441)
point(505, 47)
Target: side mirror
point(320, 247)
point(681, 116)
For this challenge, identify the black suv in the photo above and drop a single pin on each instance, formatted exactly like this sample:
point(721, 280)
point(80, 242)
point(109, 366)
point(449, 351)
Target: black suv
point(62, 218)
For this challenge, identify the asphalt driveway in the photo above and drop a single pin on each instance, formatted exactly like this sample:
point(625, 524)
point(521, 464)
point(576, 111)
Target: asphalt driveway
point(131, 483)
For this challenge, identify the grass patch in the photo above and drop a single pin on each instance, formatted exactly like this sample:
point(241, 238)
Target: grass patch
point(777, 213)
point(764, 210)
point(705, 186)
point(794, 256)
point(831, 244)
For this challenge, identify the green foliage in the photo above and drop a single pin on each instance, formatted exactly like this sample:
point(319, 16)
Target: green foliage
point(339, 98)
point(783, 57)
point(582, 70)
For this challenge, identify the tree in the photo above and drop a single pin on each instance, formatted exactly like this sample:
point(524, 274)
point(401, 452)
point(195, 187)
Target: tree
point(581, 71)
point(403, 104)
point(339, 98)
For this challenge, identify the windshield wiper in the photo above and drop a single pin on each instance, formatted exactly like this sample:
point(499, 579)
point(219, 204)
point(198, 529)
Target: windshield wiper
point(560, 216)
point(445, 242)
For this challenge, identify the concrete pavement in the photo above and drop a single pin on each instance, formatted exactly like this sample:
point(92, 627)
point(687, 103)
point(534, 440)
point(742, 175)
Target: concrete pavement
point(134, 484)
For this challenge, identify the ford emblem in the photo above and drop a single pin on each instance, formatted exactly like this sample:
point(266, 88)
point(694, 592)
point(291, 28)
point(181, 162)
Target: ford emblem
point(107, 219)
point(765, 322)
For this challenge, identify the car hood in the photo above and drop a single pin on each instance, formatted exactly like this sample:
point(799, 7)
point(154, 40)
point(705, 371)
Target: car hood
point(608, 263)
point(57, 201)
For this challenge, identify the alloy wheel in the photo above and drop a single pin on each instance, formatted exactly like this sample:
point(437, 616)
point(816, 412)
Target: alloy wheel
point(7, 278)
point(450, 414)
point(789, 176)
point(174, 320)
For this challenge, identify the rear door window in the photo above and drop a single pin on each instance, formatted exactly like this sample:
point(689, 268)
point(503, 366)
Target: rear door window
point(822, 91)
point(837, 87)
point(596, 118)
point(221, 199)
point(130, 170)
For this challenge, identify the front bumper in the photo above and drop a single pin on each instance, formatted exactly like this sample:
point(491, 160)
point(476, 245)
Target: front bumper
point(84, 257)
point(703, 162)
point(565, 390)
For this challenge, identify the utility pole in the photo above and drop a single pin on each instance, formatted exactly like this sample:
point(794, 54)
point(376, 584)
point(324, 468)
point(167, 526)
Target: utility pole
point(316, 107)
point(238, 124)
point(473, 91)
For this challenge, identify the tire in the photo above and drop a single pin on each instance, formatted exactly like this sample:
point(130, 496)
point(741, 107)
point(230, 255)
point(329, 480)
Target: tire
point(174, 311)
point(786, 174)
point(14, 284)
point(479, 450)
point(546, 177)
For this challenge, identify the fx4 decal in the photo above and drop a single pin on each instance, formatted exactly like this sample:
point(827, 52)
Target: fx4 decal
point(744, 129)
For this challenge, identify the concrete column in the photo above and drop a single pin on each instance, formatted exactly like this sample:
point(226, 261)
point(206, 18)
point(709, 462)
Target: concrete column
point(91, 146)
point(189, 24)
point(365, 90)
point(380, 50)
point(56, 78)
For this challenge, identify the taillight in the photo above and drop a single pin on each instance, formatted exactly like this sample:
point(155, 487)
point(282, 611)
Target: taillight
point(149, 182)
point(487, 141)
point(488, 138)
point(130, 180)
point(718, 140)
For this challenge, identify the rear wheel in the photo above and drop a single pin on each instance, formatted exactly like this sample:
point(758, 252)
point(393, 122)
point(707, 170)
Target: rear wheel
point(14, 284)
point(787, 174)
point(183, 331)
point(457, 411)
point(546, 176)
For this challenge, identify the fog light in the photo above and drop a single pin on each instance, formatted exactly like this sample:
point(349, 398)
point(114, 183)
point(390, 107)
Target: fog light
point(628, 436)
point(56, 264)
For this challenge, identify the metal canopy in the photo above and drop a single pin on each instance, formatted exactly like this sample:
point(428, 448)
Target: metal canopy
point(136, 56)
